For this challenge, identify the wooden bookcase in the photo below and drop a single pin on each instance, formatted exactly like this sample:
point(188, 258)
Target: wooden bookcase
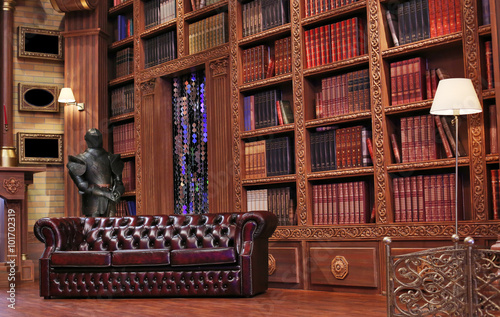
point(318, 257)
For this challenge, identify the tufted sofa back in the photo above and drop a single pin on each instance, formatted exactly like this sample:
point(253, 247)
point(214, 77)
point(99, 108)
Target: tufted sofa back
point(156, 232)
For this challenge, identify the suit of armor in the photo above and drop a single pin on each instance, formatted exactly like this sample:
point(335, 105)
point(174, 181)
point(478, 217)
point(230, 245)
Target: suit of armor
point(98, 176)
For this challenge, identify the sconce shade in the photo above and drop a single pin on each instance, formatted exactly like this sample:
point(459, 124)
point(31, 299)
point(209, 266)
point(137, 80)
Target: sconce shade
point(66, 96)
point(455, 96)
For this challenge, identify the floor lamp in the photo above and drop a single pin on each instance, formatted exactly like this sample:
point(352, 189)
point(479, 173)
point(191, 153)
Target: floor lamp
point(455, 97)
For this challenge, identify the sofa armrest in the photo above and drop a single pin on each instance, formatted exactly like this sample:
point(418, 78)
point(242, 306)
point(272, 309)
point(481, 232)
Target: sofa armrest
point(252, 226)
point(64, 234)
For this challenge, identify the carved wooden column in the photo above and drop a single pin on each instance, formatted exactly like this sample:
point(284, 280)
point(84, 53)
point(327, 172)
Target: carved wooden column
point(8, 155)
point(220, 137)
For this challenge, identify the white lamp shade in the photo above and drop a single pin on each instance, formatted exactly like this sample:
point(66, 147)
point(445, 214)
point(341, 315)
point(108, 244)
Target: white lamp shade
point(455, 96)
point(66, 96)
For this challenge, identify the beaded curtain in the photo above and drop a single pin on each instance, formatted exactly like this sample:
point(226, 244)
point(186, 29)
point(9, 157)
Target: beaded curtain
point(190, 144)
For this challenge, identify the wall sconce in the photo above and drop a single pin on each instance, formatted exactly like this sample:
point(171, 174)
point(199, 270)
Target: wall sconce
point(66, 96)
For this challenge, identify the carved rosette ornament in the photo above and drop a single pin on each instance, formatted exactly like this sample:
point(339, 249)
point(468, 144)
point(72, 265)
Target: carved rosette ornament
point(12, 185)
point(148, 87)
point(271, 262)
point(339, 267)
point(219, 67)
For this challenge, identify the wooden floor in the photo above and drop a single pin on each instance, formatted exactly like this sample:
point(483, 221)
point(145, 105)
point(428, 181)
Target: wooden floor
point(275, 302)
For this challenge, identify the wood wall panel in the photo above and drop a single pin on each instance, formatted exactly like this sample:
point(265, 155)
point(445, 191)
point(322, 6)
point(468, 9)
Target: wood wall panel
point(85, 72)
point(287, 264)
point(156, 147)
point(220, 137)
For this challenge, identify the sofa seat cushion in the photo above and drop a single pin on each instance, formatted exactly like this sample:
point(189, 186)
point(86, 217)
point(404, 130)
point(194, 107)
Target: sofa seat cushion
point(141, 257)
point(81, 258)
point(206, 256)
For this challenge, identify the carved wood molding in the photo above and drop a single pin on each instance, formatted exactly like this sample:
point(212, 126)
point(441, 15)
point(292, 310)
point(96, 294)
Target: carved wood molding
point(300, 127)
point(233, 40)
point(137, 114)
point(148, 87)
point(338, 119)
point(12, 185)
point(449, 38)
point(180, 29)
point(378, 232)
point(219, 67)
point(427, 164)
point(184, 62)
point(334, 12)
point(477, 147)
point(409, 106)
point(377, 110)
point(341, 173)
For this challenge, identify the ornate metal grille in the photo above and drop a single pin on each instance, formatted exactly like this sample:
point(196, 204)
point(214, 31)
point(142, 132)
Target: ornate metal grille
point(459, 280)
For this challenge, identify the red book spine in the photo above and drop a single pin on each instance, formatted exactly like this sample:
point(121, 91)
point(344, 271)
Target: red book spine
point(404, 140)
point(408, 199)
point(397, 203)
point(452, 16)
point(324, 205)
point(492, 110)
point(278, 111)
point(445, 9)
point(420, 198)
point(335, 203)
point(317, 47)
point(414, 199)
point(440, 208)
point(356, 199)
point(431, 138)
point(369, 145)
point(427, 198)
point(489, 64)
point(355, 36)
point(458, 15)
point(343, 36)
point(341, 203)
point(424, 137)
point(406, 81)
point(328, 44)
point(410, 139)
point(417, 138)
point(307, 41)
point(349, 33)
point(329, 202)
point(428, 84)
point(338, 45)
point(419, 68)
point(451, 189)
point(411, 80)
point(322, 45)
point(395, 149)
point(439, 17)
point(351, 199)
point(347, 204)
point(495, 193)
point(444, 140)
point(431, 216)
point(447, 197)
point(316, 204)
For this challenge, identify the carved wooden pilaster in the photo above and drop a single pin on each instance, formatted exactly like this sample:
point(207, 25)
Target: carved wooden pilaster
point(235, 104)
point(298, 103)
point(180, 29)
point(375, 59)
point(475, 121)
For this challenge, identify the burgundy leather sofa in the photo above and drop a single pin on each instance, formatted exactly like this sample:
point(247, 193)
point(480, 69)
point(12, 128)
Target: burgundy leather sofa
point(178, 255)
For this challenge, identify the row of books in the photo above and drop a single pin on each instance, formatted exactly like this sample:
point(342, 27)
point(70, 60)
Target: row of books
point(343, 94)
point(258, 63)
point(261, 15)
point(335, 42)
point(279, 201)
point(122, 100)
point(424, 198)
point(416, 20)
point(158, 12)
point(420, 142)
point(128, 175)
point(266, 109)
point(199, 4)
point(123, 138)
point(412, 81)
point(340, 148)
point(124, 62)
point(283, 56)
point(160, 49)
point(314, 7)
point(207, 33)
point(492, 111)
point(495, 193)
point(271, 157)
point(125, 27)
point(490, 80)
point(125, 208)
point(341, 203)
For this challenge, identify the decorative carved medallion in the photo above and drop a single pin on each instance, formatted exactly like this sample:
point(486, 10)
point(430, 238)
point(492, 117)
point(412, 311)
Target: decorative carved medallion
point(339, 267)
point(12, 185)
point(148, 87)
point(271, 262)
point(219, 67)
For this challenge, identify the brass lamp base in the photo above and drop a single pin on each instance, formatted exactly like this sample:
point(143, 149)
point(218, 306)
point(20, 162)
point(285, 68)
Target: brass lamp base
point(8, 157)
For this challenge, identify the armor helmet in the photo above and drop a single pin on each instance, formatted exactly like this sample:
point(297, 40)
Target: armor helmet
point(93, 137)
